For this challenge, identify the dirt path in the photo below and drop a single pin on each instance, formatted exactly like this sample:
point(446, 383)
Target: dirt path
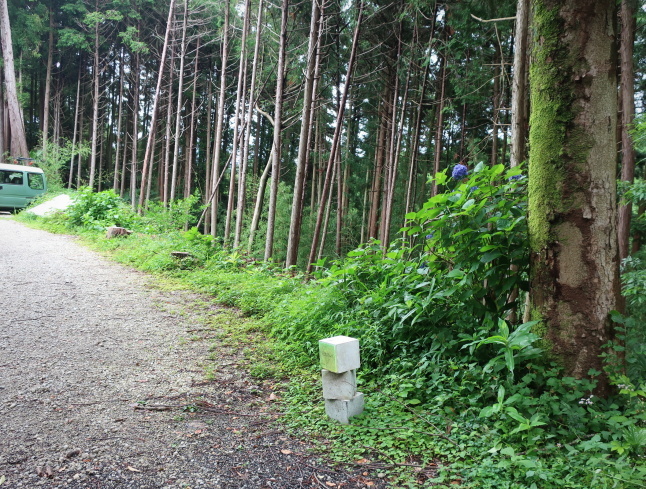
point(85, 344)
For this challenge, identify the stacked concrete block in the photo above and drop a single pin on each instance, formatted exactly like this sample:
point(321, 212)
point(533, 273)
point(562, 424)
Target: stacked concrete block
point(340, 361)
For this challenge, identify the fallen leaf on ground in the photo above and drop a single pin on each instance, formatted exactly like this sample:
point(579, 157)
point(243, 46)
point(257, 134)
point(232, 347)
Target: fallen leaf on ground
point(285, 452)
point(132, 469)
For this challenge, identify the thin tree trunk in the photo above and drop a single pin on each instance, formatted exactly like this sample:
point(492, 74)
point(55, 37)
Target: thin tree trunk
point(242, 182)
point(414, 153)
point(3, 124)
point(496, 115)
point(238, 121)
point(627, 87)
point(191, 138)
point(377, 177)
point(81, 122)
point(135, 138)
point(260, 197)
point(519, 98)
point(335, 140)
point(116, 179)
point(180, 101)
point(76, 120)
point(390, 195)
point(18, 143)
point(326, 220)
point(95, 101)
point(48, 81)
point(217, 146)
point(278, 113)
point(303, 142)
point(440, 124)
point(153, 117)
point(169, 119)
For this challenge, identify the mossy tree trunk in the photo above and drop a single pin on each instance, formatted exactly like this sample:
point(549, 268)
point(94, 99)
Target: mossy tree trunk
point(572, 179)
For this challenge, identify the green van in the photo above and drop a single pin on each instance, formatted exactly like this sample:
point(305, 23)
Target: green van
point(19, 185)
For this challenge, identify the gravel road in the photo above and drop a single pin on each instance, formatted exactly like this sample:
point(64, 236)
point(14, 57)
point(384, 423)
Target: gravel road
point(96, 373)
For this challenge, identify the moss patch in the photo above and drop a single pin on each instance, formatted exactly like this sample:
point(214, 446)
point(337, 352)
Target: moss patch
point(551, 114)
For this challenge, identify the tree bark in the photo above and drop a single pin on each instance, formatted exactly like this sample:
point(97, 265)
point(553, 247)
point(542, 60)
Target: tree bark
point(335, 141)
point(242, 181)
point(76, 121)
point(238, 121)
point(440, 123)
point(278, 113)
point(48, 82)
point(627, 87)
point(18, 143)
point(519, 99)
point(180, 102)
point(572, 181)
point(153, 116)
point(217, 145)
point(135, 140)
point(188, 174)
point(116, 177)
point(303, 142)
point(95, 100)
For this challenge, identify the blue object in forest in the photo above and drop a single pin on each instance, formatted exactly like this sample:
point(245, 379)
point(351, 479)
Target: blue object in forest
point(460, 171)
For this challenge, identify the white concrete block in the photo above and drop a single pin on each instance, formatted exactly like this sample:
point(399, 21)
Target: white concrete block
point(339, 354)
point(339, 386)
point(342, 410)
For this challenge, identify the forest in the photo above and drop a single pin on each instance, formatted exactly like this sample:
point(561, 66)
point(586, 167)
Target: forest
point(412, 88)
point(459, 184)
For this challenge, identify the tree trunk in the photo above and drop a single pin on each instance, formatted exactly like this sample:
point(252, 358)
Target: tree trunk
point(519, 99)
point(169, 119)
point(260, 197)
point(380, 152)
point(414, 152)
point(397, 139)
point(572, 180)
point(278, 113)
point(335, 141)
point(303, 142)
point(116, 177)
point(18, 143)
point(496, 113)
point(217, 145)
point(238, 121)
point(180, 101)
point(627, 87)
point(188, 174)
point(153, 116)
point(95, 101)
point(242, 182)
point(135, 138)
point(440, 124)
point(2, 114)
point(76, 120)
point(48, 82)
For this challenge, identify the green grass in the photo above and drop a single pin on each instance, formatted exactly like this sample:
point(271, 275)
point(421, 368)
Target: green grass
point(426, 422)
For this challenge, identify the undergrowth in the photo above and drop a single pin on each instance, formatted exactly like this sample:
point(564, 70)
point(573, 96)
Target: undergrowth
point(458, 392)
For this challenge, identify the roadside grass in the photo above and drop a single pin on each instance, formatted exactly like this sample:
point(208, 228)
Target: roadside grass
point(431, 419)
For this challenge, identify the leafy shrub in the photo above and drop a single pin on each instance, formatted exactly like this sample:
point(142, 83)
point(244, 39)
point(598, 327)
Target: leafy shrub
point(453, 279)
point(180, 214)
point(96, 211)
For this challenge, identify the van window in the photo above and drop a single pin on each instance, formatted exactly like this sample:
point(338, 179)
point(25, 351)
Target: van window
point(11, 177)
point(35, 181)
